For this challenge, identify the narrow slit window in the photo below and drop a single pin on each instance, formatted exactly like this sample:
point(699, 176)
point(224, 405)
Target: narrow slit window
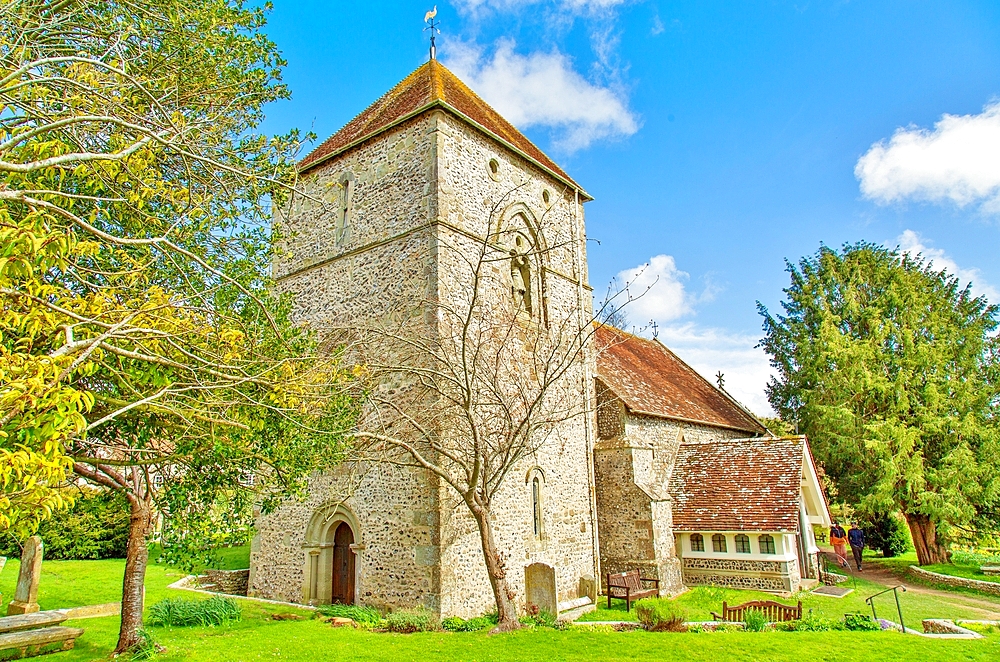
point(697, 542)
point(536, 505)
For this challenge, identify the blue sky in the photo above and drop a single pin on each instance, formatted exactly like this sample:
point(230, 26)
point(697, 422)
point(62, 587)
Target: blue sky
point(718, 138)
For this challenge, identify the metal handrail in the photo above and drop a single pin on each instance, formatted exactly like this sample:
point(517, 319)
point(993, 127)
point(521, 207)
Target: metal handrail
point(899, 610)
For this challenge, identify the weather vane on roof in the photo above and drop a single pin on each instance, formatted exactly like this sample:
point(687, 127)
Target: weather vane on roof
point(432, 26)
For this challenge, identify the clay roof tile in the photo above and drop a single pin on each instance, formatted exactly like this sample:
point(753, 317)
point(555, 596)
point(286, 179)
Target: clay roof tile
point(431, 86)
point(652, 380)
point(738, 485)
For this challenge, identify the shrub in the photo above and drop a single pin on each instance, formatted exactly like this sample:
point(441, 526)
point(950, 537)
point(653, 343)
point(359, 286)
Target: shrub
point(660, 615)
point(408, 621)
point(535, 616)
point(860, 623)
point(887, 533)
point(459, 624)
point(96, 527)
point(809, 623)
point(180, 613)
point(365, 616)
point(754, 620)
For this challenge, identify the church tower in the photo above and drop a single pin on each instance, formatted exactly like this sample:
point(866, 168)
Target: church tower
point(427, 166)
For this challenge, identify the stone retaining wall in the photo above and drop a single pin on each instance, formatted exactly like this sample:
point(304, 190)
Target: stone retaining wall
point(992, 588)
point(233, 582)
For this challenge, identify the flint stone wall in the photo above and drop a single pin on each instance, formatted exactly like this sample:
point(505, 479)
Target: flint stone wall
point(740, 573)
point(233, 582)
point(993, 588)
point(420, 193)
point(632, 471)
point(468, 196)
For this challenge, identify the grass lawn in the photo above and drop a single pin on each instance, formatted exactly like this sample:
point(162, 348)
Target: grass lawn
point(71, 583)
point(903, 562)
point(227, 558)
point(700, 601)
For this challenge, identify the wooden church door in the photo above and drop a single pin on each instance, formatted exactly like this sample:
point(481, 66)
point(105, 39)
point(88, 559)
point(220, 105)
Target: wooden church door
point(343, 565)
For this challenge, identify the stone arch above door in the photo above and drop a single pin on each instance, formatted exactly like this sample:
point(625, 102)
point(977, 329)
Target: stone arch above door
point(318, 551)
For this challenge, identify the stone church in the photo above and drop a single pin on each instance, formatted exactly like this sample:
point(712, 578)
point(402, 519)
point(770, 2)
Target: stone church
point(660, 471)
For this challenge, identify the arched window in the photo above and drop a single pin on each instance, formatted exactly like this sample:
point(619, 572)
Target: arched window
point(766, 544)
point(536, 505)
point(697, 542)
point(742, 544)
point(719, 543)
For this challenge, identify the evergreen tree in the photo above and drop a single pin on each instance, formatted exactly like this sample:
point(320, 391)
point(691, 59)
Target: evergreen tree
point(890, 367)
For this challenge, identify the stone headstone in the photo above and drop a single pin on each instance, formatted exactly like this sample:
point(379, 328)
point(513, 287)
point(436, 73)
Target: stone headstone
point(588, 588)
point(26, 595)
point(3, 562)
point(540, 587)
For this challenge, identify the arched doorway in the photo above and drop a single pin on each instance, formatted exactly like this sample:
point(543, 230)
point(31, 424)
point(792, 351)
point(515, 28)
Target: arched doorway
point(333, 558)
point(343, 565)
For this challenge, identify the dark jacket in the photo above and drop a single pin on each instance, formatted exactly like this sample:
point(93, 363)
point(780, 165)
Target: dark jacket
point(856, 538)
point(837, 532)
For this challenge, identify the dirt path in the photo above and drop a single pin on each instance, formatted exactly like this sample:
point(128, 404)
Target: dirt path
point(984, 607)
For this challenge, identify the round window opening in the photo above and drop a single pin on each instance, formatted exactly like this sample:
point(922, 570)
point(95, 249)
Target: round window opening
point(494, 166)
point(545, 196)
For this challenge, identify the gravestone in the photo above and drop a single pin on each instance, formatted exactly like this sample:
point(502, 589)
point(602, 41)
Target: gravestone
point(540, 587)
point(26, 595)
point(588, 588)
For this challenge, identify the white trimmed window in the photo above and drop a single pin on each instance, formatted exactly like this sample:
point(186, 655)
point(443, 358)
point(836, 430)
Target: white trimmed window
point(697, 542)
point(742, 544)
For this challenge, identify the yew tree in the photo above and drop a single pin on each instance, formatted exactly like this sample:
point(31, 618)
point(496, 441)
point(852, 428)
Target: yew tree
point(890, 367)
point(141, 345)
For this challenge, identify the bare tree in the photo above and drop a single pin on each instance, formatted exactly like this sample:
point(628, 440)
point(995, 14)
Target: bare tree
point(468, 384)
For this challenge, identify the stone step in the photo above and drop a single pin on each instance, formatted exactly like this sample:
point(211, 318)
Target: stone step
point(38, 619)
point(36, 642)
point(567, 605)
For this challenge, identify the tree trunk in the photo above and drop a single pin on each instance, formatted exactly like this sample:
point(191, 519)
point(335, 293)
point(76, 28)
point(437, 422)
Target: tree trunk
point(924, 534)
point(496, 568)
point(136, 559)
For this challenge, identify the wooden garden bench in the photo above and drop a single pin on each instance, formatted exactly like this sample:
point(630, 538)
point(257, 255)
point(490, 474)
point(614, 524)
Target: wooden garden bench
point(628, 585)
point(773, 611)
point(36, 642)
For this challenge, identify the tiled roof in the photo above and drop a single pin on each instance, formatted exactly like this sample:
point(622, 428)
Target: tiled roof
point(738, 485)
point(430, 86)
point(650, 379)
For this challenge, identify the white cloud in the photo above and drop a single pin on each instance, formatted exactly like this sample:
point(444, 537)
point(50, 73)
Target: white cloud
point(657, 26)
point(543, 89)
point(912, 243)
point(665, 299)
point(656, 291)
point(957, 161)
point(746, 368)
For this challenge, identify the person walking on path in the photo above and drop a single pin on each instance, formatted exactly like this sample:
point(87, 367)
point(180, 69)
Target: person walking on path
point(838, 537)
point(856, 538)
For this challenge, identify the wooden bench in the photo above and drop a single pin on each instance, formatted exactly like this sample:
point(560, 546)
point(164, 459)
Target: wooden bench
point(628, 586)
point(37, 642)
point(773, 611)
